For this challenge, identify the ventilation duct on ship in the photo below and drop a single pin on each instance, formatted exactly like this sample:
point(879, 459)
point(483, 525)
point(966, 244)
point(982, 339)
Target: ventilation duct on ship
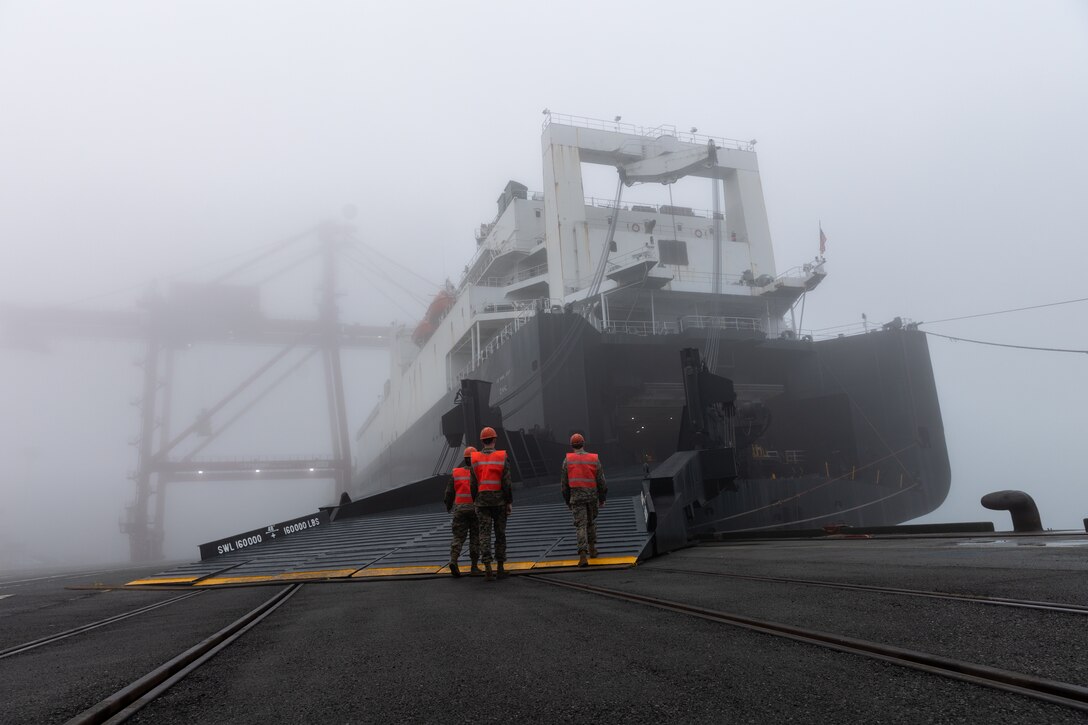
point(513, 190)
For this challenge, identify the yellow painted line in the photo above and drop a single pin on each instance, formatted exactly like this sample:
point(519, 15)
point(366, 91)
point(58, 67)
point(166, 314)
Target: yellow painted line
point(518, 565)
point(370, 573)
point(320, 574)
point(600, 561)
point(396, 571)
point(285, 576)
point(509, 566)
point(613, 560)
point(465, 569)
point(213, 581)
point(555, 563)
point(163, 580)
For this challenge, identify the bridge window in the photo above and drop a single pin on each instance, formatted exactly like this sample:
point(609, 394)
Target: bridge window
point(673, 252)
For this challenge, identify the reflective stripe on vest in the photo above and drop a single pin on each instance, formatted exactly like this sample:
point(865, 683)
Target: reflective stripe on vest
point(582, 470)
point(488, 468)
point(462, 486)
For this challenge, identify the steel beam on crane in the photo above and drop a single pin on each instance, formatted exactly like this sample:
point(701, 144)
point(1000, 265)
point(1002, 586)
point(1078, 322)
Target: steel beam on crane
point(218, 314)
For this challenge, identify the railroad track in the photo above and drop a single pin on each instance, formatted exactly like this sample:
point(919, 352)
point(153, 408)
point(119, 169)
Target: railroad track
point(12, 583)
point(124, 703)
point(1052, 691)
point(995, 601)
point(33, 644)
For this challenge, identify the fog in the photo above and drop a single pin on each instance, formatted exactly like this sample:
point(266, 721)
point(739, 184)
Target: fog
point(941, 146)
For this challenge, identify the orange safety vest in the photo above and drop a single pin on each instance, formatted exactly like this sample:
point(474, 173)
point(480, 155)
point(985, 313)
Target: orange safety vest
point(488, 468)
point(582, 470)
point(462, 485)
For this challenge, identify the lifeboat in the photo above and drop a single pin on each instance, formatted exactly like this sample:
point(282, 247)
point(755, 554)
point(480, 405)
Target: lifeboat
point(423, 332)
point(440, 305)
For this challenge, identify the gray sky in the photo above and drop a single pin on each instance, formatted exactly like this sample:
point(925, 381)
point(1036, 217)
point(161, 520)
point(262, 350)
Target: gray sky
point(941, 144)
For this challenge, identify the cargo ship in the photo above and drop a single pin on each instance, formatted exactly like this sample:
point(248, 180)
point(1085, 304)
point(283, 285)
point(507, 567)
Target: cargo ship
point(574, 310)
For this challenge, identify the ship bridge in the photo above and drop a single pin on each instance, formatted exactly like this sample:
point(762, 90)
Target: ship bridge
point(629, 264)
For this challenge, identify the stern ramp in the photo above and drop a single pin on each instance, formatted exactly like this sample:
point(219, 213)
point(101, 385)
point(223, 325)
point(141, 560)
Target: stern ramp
point(313, 548)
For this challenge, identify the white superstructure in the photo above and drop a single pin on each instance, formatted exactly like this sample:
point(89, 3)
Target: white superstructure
point(629, 268)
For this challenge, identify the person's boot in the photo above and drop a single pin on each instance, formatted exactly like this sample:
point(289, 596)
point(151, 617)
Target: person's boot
point(488, 576)
point(502, 573)
point(582, 560)
point(593, 553)
point(475, 570)
point(454, 569)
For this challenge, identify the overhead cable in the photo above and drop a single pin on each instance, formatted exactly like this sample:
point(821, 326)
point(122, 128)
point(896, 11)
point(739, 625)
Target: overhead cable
point(371, 267)
point(1002, 344)
point(355, 238)
point(1002, 312)
point(965, 317)
point(378, 279)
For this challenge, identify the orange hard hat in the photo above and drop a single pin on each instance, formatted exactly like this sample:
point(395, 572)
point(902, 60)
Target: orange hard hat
point(577, 440)
point(469, 450)
point(488, 433)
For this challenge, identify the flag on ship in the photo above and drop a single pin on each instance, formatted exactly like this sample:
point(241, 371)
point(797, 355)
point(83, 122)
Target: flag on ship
point(823, 239)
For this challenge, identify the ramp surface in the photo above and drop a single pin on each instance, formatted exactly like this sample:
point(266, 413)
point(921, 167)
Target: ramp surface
point(537, 537)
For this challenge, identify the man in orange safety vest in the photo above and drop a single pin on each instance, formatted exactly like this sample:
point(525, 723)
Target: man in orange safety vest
point(492, 492)
point(464, 522)
point(584, 490)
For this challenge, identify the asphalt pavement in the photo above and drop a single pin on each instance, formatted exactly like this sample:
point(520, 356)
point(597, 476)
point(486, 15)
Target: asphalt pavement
point(445, 650)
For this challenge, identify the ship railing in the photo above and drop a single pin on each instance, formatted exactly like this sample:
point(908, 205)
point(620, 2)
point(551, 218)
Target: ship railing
point(625, 260)
point(650, 208)
point(526, 309)
point(640, 206)
point(601, 124)
point(481, 261)
point(679, 274)
point(712, 322)
point(474, 270)
point(523, 308)
point(639, 327)
point(803, 270)
point(518, 276)
point(794, 456)
point(861, 327)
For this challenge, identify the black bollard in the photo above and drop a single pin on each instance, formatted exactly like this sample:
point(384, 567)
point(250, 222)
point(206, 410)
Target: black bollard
point(1025, 514)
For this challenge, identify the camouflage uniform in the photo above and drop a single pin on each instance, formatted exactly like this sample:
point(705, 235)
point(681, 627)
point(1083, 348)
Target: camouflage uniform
point(464, 523)
point(585, 503)
point(491, 511)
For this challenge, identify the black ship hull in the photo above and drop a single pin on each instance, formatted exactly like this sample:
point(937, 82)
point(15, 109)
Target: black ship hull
point(846, 430)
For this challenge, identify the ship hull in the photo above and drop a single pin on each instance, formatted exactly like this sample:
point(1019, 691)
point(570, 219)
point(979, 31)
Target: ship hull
point(848, 430)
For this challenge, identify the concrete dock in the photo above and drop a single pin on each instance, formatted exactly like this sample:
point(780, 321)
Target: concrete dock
point(436, 649)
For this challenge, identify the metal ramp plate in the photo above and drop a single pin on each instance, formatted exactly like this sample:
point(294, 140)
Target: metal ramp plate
point(366, 547)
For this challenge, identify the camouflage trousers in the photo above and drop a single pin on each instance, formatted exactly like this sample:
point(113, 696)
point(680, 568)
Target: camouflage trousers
point(492, 517)
point(464, 523)
point(585, 521)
